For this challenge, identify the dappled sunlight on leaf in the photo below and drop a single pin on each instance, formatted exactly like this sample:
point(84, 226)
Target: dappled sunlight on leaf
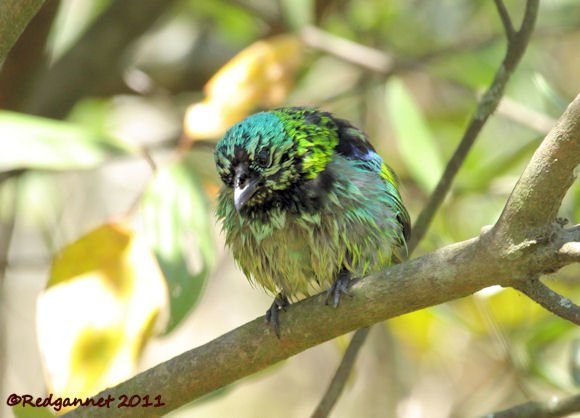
point(259, 76)
point(104, 296)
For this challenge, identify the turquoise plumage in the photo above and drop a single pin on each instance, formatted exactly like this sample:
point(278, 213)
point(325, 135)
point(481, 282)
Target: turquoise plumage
point(307, 204)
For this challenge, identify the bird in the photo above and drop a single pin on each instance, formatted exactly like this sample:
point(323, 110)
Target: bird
point(307, 204)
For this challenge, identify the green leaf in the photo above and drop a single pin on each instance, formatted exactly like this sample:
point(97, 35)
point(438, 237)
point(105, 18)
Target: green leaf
point(178, 226)
point(488, 166)
point(298, 12)
point(32, 142)
point(471, 70)
point(416, 143)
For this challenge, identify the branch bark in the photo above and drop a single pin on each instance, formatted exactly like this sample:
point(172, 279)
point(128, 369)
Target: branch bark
point(550, 300)
point(533, 204)
point(554, 408)
point(449, 273)
point(506, 20)
point(14, 17)
point(338, 382)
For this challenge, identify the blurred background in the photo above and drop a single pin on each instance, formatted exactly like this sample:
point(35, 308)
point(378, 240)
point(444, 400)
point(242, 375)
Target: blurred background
point(111, 260)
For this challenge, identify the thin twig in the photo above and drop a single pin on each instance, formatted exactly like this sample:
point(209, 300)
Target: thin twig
point(553, 408)
point(358, 54)
point(516, 46)
point(487, 105)
point(554, 302)
point(522, 114)
point(505, 19)
point(378, 61)
point(334, 391)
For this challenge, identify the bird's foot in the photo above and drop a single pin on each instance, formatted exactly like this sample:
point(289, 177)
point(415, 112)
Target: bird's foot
point(340, 287)
point(273, 313)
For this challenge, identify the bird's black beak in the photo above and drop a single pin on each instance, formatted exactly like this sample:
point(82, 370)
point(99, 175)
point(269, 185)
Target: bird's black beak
point(245, 186)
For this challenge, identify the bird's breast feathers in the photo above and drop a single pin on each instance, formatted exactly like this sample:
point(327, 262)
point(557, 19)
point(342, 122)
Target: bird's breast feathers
point(306, 197)
point(353, 227)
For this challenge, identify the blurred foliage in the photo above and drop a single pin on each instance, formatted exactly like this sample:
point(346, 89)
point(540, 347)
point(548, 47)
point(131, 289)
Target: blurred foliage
point(407, 118)
point(32, 412)
point(175, 209)
point(104, 296)
point(43, 144)
point(138, 146)
point(258, 77)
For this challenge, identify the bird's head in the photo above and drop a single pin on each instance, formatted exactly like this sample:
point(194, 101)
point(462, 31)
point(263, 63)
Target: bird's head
point(265, 157)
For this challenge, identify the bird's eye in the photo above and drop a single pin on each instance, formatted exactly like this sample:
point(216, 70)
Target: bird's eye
point(262, 158)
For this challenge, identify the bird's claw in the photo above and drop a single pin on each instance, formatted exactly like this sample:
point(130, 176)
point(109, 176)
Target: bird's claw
point(273, 313)
point(340, 287)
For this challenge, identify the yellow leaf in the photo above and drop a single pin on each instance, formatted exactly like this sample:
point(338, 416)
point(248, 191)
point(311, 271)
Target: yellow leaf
point(512, 309)
point(415, 329)
point(504, 306)
point(259, 76)
point(104, 296)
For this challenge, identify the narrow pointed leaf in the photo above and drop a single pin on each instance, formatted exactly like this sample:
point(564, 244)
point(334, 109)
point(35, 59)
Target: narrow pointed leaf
point(178, 226)
point(416, 143)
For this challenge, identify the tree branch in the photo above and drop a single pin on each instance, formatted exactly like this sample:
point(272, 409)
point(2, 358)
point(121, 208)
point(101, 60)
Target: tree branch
point(27, 58)
point(338, 382)
point(94, 59)
point(552, 301)
point(449, 273)
point(361, 55)
point(452, 272)
point(375, 60)
point(562, 145)
point(554, 408)
point(14, 17)
point(487, 105)
point(525, 116)
point(505, 19)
